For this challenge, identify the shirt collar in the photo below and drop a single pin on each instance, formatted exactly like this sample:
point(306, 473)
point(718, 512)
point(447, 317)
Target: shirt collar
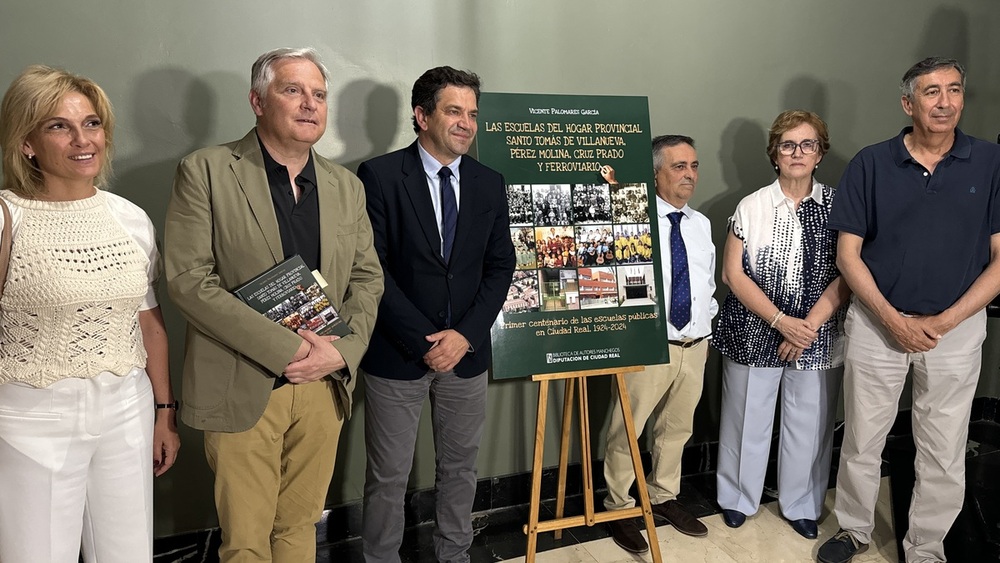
point(778, 197)
point(663, 208)
point(273, 166)
point(960, 148)
point(432, 166)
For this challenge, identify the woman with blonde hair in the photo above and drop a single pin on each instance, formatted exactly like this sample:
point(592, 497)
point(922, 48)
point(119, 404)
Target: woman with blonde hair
point(87, 415)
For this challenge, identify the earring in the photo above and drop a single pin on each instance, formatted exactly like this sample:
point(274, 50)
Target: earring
point(31, 156)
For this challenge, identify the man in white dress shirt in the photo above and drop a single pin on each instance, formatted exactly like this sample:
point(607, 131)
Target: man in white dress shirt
point(668, 392)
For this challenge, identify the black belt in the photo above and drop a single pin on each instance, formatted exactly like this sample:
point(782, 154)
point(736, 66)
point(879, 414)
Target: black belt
point(686, 343)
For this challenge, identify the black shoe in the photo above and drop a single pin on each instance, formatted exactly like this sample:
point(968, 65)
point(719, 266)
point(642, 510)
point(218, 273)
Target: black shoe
point(805, 528)
point(626, 535)
point(841, 548)
point(733, 518)
point(673, 513)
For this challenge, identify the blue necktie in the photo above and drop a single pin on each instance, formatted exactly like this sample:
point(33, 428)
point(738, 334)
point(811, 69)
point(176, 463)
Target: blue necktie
point(680, 278)
point(449, 213)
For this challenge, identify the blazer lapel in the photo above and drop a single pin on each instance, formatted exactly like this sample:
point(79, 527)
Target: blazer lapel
point(329, 218)
point(249, 171)
point(415, 183)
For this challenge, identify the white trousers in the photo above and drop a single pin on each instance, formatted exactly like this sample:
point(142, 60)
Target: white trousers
point(808, 407)
point(76, 462)
point(944, 383)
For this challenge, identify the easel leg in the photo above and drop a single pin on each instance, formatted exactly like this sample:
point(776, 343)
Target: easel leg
point(585, 455)
point(536, 472)
point(640, 475)
point(564, 451)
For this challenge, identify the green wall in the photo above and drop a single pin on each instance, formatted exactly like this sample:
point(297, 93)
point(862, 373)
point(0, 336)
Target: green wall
point(177, 72)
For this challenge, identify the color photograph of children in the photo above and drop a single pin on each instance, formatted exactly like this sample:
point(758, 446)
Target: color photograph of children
point(633, 244)
point(595, 245)
point(555, 247)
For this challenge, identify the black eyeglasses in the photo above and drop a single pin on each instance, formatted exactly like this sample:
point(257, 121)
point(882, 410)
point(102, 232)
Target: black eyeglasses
point(807, 146)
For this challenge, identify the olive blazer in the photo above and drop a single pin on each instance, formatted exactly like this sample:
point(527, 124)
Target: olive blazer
point(221, 231)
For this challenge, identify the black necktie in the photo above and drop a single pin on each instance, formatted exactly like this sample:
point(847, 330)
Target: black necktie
point(449, 212)
point(680, 278)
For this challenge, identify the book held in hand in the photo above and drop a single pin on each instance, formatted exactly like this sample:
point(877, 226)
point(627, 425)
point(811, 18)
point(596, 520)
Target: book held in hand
point(292, 296)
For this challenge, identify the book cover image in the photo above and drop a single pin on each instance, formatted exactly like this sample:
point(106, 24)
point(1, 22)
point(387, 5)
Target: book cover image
point(587, 292)
point(292, 296)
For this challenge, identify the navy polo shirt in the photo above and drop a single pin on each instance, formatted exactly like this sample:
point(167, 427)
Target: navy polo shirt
point(926, 236)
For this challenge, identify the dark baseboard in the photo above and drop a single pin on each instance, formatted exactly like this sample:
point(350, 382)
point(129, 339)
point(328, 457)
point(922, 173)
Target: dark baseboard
point(343, 522)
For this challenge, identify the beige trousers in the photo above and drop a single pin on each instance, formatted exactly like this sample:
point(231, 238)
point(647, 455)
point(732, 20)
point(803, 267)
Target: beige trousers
point(944, 383)
point(670, 393)
point(271, 481)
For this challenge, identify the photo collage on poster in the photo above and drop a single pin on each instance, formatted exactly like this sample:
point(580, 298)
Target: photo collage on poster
point(580, 246)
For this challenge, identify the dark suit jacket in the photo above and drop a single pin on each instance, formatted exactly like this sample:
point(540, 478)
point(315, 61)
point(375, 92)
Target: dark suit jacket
point(221, 231)
point(419, 285)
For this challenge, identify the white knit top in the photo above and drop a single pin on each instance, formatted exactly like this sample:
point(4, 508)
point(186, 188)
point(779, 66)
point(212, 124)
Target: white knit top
point(79, 273)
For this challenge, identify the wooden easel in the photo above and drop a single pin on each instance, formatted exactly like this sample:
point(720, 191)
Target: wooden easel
point(578, 380)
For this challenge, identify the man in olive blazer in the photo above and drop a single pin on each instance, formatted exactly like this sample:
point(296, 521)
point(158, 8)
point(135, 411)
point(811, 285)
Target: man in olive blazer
point(272, 445)
point(226, 236)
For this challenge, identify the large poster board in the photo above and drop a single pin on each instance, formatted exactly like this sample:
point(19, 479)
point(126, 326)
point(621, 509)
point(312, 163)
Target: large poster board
point(587, 291)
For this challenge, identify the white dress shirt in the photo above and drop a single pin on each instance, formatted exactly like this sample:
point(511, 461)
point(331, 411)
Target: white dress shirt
point(431, 169)
point(696, 231)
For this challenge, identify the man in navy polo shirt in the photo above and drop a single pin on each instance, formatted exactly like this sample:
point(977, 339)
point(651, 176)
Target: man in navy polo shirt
point(919, 245)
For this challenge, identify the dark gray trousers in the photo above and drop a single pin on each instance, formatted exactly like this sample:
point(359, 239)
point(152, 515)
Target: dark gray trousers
point(392, 415)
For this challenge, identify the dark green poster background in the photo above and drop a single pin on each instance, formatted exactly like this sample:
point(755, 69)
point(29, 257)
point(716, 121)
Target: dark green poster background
point(587, 290)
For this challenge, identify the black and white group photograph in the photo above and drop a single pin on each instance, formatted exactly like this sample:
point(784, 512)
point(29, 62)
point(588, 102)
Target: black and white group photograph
point(519, 204)
point(629, 203)
point(552, 204)
point(591, 203)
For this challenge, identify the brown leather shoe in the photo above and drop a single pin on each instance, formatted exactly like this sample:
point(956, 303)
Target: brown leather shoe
point(673, 513)
point(626, 535)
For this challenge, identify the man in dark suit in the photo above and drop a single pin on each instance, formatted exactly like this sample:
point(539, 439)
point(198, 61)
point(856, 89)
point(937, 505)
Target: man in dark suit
point(271, 402)
point(442, 234)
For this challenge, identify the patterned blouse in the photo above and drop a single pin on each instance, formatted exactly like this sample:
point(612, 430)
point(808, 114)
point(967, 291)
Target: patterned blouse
point(791, 255)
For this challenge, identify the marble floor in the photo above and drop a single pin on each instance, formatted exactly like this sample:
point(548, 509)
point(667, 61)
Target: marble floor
point(765, 537)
